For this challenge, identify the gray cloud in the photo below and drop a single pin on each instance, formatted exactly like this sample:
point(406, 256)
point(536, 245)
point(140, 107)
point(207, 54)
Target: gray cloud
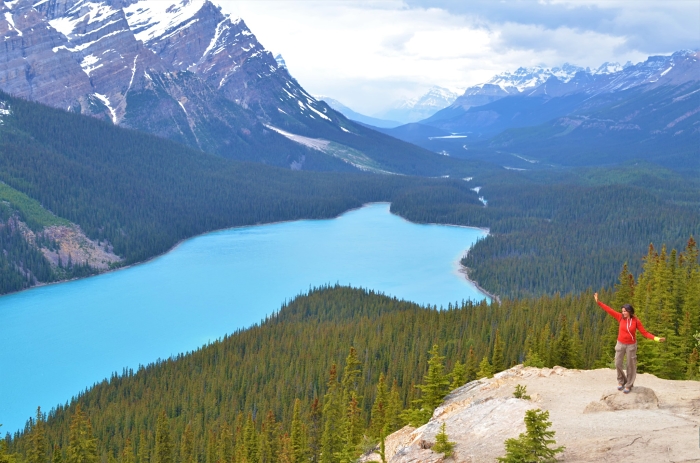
point(648, 27)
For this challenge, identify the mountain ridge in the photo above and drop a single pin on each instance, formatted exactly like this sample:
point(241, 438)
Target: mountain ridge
point(184, 71)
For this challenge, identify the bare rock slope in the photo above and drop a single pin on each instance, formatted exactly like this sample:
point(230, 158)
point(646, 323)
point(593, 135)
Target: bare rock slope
point(657, 422)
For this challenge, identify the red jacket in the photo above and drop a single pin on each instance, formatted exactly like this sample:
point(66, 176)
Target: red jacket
point(628, 328)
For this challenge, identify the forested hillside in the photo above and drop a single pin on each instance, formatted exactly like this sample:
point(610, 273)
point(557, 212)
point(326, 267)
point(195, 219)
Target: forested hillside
point(142, 194)
point(340, 363)
point(564, 234)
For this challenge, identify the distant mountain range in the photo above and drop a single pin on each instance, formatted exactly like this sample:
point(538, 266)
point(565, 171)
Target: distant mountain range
point(188, 72)
point(639, 108)
point(402, 112)
point(416, 109)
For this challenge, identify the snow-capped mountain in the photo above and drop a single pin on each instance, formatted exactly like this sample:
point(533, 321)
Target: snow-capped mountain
point(177, 68)
point(570, 79)
point(525, 78)
point(412, 110)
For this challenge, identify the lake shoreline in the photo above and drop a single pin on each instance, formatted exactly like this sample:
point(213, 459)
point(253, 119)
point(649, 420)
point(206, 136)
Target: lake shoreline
point(179, 243)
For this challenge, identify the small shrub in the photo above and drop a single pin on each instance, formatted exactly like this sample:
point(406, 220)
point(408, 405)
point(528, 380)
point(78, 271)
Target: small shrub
point(521, 392)
point(532, 446)
point(533, 360)
point(442, 443)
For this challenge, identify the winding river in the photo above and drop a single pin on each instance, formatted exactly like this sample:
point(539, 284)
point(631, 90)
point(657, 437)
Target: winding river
point(57, 340)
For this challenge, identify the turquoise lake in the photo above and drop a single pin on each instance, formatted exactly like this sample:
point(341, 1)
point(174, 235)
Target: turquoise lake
point(59, 339)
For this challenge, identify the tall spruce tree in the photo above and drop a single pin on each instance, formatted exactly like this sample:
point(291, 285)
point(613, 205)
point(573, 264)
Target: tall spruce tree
point(82, 446)
point(459, 375)
point(224, 445)
point(298, 440)
point(187, 452)
point(128, 453)
point(435, 387)
point(315, 430)
point(145, 448)
point(393, 413)
point(37, 437)
point(164, 446)
point(378, 417)
point(57, 456)
point(485, 369)
point(331, 438)
point(250, 436)
point(472, 364)
point(497, 360)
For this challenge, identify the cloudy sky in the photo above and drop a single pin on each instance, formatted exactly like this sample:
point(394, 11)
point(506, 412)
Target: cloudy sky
point(369, 54)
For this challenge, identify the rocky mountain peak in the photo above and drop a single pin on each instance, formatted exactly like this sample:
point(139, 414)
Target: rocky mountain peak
point(123, 60)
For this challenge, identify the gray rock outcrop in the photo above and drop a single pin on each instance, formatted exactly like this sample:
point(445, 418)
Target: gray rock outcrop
point(658, 421)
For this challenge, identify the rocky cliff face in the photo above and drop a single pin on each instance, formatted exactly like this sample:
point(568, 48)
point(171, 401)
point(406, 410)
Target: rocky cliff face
point(179, 69)
point(658, 421)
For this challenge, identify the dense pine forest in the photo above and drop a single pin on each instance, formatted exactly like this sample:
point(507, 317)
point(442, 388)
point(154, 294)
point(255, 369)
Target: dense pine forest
point(567, 234)
point(334, 370)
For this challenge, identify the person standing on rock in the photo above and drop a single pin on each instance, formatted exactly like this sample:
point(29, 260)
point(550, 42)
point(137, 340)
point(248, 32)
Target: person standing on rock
point(626, 343)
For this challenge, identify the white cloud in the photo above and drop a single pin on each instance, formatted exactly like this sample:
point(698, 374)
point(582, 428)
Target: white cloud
point(368, 54)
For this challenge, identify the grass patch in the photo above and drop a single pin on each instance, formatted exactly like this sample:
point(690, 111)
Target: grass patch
point(31, 212)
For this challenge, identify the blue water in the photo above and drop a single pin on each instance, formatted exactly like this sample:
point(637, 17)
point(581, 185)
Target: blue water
point(59, 339)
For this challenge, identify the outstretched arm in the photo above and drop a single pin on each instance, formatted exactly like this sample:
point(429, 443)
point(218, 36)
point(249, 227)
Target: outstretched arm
point(647, 334)
point(616, 315)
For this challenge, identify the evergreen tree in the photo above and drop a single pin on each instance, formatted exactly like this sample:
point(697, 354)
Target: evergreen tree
point(442, 443)
point(378, 417)
point(485, 369)
point(187, 453)
point(212, 447)
point(532, 359)
point(351, 374)
point(533, 445)
point(286, 449)
point(57, 457)
point(433, 390)
point(331, 439)
point(298, 442)
point(5, 457)
point(471, 367)
point(393, 414)
point(497, 360)
point(351, 437)
point(82, 447)
point(144, 449)
point(565, 353)
point(128, 454)
point(164, 447)
point(224, 446)
point(315, 430)
point(37, 437)
point(459, 375)
point(252, 450)
point(352, 425)
point(270, 430)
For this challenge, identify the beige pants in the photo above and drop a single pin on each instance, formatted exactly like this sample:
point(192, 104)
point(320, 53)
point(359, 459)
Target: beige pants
point(631, 351)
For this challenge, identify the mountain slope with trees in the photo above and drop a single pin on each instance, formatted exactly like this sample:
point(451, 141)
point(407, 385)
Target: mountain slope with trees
point(338, 364)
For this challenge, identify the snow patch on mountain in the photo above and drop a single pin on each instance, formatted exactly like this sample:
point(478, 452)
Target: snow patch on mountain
point(151, 20)
point(524, 78)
